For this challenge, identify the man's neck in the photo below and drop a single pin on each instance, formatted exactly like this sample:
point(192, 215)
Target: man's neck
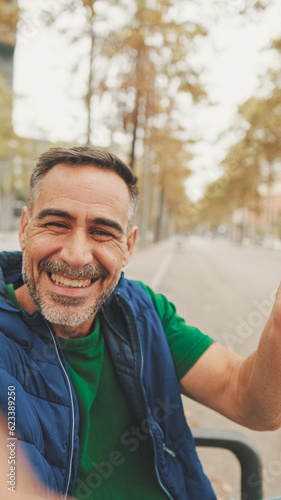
point(24, 299)
point(74, 332)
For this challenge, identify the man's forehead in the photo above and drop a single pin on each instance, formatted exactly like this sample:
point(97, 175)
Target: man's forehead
point(85, 188)
point(74, 170)
point(88, 175)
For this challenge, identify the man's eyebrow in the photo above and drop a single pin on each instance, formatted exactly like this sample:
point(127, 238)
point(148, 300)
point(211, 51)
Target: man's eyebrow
point(54, 212)
point(109, 223)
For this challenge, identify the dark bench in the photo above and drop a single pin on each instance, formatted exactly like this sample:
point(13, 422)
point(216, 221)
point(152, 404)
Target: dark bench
point(246, 453)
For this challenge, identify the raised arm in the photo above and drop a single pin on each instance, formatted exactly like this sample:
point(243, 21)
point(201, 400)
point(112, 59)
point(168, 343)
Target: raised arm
point(246, 390)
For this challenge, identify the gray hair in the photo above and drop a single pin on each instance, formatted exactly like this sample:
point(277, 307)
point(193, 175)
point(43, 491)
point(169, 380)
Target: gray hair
point(84, 156)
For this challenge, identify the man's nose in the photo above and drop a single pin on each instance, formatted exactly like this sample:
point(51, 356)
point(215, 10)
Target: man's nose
point(77, 249)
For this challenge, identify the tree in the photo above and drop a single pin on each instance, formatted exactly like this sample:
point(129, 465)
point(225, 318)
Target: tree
point(255, 158)
point(155, 48)
point(8, 25)
point(139, 67)
point(170, 159)
point(9, 13)
point(6, 127)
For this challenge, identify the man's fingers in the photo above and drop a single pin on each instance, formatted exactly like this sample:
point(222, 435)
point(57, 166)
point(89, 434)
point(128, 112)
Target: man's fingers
point(16, 476)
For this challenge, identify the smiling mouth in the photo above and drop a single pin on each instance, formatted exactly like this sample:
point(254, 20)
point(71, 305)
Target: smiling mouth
point(60, 280)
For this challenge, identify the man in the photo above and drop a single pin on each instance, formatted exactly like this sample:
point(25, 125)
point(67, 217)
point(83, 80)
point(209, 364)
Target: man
point(94, 362)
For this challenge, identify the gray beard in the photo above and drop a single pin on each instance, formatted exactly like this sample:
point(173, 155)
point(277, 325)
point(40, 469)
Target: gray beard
point(66, 310)
point(65, 315)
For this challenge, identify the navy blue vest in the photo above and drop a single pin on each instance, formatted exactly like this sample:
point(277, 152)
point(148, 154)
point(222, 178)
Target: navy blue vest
point(47, 412)
point(144, 366)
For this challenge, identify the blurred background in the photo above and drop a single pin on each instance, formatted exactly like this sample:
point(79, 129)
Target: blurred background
point(187, 93)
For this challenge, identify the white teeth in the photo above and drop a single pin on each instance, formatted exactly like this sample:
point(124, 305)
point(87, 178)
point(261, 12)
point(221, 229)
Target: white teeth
point(61, 280)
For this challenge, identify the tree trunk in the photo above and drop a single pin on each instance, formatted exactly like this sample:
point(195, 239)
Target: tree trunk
point(89, 94)
point(135, 128)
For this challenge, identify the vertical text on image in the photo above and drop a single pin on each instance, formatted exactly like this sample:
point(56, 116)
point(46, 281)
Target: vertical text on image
point(11, 440)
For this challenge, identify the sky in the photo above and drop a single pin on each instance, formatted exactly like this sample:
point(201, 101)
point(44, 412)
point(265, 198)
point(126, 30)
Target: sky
point(236, 58)
point(230, 60)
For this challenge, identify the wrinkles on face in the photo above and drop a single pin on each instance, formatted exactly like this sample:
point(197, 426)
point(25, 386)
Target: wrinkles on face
point(75, 243)
point(64, 310)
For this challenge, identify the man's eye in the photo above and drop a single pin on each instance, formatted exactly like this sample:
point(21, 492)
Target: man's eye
point(100, 234)
point(99, 231)
point(58, 225)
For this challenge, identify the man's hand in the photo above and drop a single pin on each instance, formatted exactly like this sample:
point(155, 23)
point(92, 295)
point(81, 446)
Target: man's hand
point(21, 480)
point(276, 310)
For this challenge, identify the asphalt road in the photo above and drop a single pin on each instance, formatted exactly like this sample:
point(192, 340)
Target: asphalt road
point(227, 292)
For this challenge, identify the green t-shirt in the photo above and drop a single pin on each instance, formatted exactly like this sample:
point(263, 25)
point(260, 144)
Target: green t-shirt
point(11, 292)
point(116, 455)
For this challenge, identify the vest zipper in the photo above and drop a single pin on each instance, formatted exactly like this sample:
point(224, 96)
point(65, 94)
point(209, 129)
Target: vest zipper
point(171, 452)
point(72, 408)
point(155, 454)
point(165, 447)
point(128, 308)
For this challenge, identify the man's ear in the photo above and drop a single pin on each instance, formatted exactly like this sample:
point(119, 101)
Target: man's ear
point(131, 240)
point(23, 225)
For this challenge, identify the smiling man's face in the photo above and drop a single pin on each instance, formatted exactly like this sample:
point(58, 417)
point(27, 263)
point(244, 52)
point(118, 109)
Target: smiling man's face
point(75, 244)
